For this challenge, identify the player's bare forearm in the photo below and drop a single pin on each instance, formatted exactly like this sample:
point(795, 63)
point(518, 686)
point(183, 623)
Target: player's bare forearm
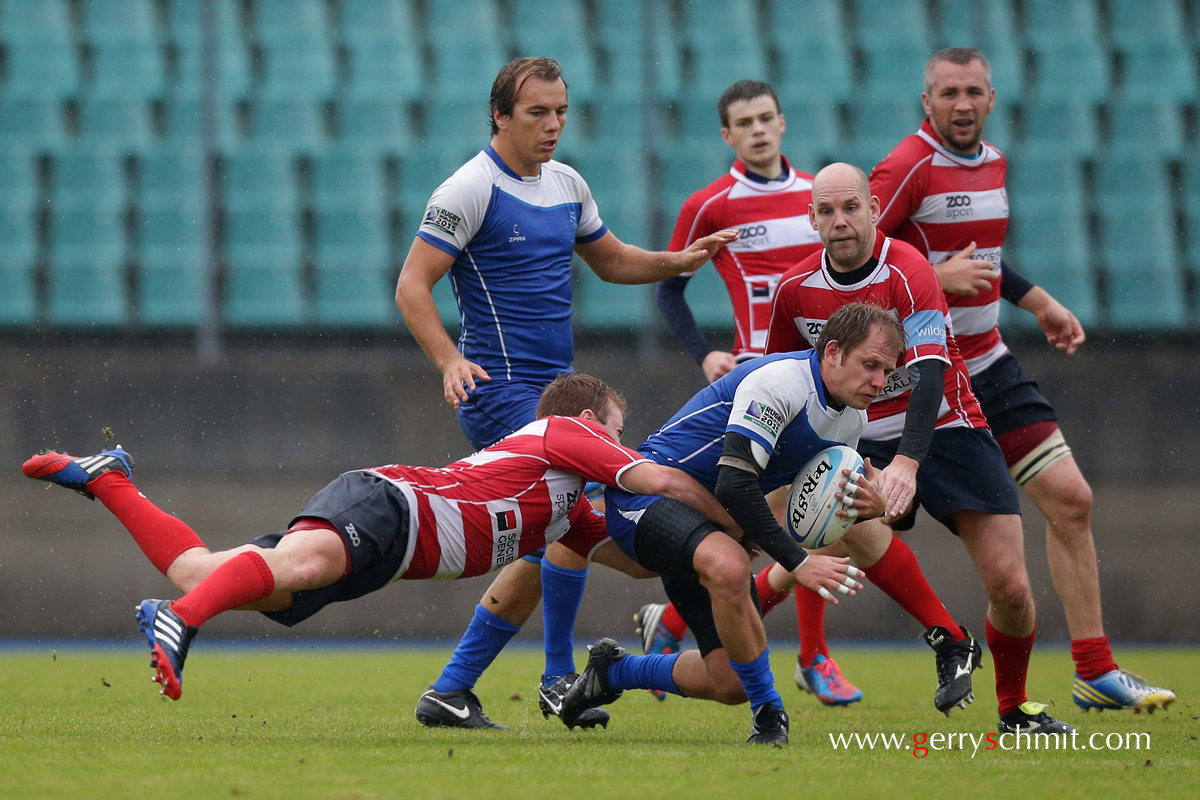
point(656, 479)
point(1062, 329)
point(617, 262)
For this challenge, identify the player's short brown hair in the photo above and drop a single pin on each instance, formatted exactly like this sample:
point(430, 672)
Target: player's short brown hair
point(853, 323)
point(511, 77)
point(572, 392)
point(743, 90)
point(956, 55)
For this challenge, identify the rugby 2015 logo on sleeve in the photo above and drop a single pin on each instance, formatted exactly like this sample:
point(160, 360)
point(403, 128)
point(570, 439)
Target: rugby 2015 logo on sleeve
point(764, 417)
point(443, 220)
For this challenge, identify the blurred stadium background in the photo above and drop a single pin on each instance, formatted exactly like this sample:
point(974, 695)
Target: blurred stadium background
point(206, 203)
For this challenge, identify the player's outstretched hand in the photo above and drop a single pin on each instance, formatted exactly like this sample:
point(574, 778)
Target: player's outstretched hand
point(860, 495)
point(717, 364)
point(701, 250)
point(898, 485)
point(828, 576)
point(458, 380)
point(961, 274)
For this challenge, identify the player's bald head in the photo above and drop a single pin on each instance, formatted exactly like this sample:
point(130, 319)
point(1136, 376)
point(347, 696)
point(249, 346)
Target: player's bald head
point(842, 175)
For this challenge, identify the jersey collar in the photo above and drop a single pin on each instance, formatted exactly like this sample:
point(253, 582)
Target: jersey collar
point(507, 170)
point(926, 133)
point(761, 182)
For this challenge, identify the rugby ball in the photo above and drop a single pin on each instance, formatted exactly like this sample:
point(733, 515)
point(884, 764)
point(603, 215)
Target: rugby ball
point(811, 520)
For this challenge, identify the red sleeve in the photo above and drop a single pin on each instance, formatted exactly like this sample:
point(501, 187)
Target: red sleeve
point(585, 449)
point(689, 226)
point(783, 336)
point(899, 183)
point(587, 531)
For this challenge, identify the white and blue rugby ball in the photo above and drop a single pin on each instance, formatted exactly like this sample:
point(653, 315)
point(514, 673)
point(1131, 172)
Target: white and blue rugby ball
point(811, 520)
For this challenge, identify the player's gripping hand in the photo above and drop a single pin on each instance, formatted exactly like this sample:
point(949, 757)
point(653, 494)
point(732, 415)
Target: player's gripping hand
point(828, 576)
point(860, 496)
point(458, 380)
point(717, 364)
point(696, 254)
point(898, 485)
point(961, 274)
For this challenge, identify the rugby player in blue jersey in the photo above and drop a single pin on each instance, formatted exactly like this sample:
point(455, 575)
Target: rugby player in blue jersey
point(504, 227)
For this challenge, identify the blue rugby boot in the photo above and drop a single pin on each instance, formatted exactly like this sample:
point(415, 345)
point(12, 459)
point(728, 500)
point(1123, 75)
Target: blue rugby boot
point(169, 638)
point(1120, 689)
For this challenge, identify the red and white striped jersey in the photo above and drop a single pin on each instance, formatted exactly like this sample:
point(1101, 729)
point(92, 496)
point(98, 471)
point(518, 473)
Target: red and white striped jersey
point(904, 283)
point(510, 499)
point(939, 202)
point(774, 232)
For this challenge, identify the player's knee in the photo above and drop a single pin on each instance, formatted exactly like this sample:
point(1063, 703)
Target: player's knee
point(728, 689)
point(1073, 507)
point(725, 574)
point(1011, 593)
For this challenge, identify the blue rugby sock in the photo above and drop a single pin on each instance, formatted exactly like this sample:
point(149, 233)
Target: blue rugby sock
point(758, 681)
point(562, 593)
point(485, 638)
point(644, 672)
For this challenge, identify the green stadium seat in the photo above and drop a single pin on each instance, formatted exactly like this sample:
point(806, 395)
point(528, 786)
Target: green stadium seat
point(1146, 127)
point(1132, 23)
point(421, 172)
point(465, 68)
point(122, 22)
point(895, 71)
point(348, 178)
point(86, 177)
point(120, 122)
point(1034, 177)
point(86, 281)
point(708, 297)
point(42, 21)
point(885, 24)
point(264, 275)
point(609, 307)
point(444, 22)
point(172, 273)
point(31, 121)
point(569, 45)
point(1140, 178)
point(294, 123)
point(183, 123)
point(459, 126)
point(616, 176)
point(1191, 214)
point(18, 262)
point(172, 177)
point(1001, 128)
point(621, 47)
point(384, 69)
point(127, 70)
point(373, 125)
point(612, 122)
point(1049, 24)
point(300, 65)
point(1145, 282)
point(185, 21)
point(813, 135)
point(259, 179)
point(354, 281)
point(991, 26)
point(364, 20)
point(815, 63)
point(232, 69)
point(879, 125)
point(41, 69)
point(1060, 129)
point(19, 177)
point(1165, 71)
point(1072, 70)
point(1049, 237)
point(720, 54)
point(282, 20)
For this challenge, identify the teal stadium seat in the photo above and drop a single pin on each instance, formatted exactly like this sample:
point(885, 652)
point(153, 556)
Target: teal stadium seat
point(172, 266)
point(362, 20)
point(421, 171)
point(354, 280)
point(264, 283)
point(1060, 129)
point(1154, 59)
point(384, 69)
point(348, 178)
point(1146, 127)
point(720, 53)
point(46, 69)
point(44, 21)
point(88, 177)
point(118, 21)
point(608, 307)
point(570, 44)
point(19, 177)
point(86, 283)
point(1048, 241)
point(878, 126)
point(18, 262)
point(685, 171)
point(259, 179)
point(465, 57)
point(1191, 214)
point(298, 57)
point(814, 133)
point(34, 122)
point(1046, 24)
point(894, 40)
point(1045, 177)
point(183, 122)
point(991, 26)
point(458, 127)
point(282, 20)
point(172, 177)
point(288, 123)
point(120, 122)
point(127, 69)
point(815, 64)
point(185, 32)
point(620, 47)
point(1071, 64)
point(373, 125)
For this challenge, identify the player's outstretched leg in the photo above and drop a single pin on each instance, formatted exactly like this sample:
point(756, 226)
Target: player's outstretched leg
point(169, 639)
point(955, 663)
point(550, 701)
point(75, 473)
point(823, 678)
point(1120, 689)
point(592, 689)
point(457, 709)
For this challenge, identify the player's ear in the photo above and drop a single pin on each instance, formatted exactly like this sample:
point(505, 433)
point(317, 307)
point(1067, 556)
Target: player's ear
point(875, 210)
point(587, 413)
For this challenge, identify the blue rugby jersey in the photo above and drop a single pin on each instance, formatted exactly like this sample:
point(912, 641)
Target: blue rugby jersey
point(512, 239)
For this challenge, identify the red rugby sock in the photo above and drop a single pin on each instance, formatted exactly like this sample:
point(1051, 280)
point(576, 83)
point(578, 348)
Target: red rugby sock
point(768, 596)
point(242, 579)
point(1010, 655)
point(161, 536)
point(1093, 657)
point(810, 622)
point(899, 576)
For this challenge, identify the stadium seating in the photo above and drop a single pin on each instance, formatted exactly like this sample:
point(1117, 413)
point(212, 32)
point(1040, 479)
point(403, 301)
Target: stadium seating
point(1060, 129)
point(19, 177)
point(371, 125)
point(813, 51)
point(354, 280)
point(42, 22)
point(38, 123)
point(989, 25)
point(348, 178)
point(85, 177)
point(87, 280)
point(18, 260)
point(117, 121)
point(1147, 127)
point(296, 124)
point(264, 283)
point(260, 179)
point(172, 273)
point(172, 176)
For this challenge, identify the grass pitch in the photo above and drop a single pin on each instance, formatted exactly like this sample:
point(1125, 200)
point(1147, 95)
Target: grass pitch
point(330, 722)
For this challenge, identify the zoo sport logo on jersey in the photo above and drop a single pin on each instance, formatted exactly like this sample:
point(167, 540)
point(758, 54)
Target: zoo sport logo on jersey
point(756, 235)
